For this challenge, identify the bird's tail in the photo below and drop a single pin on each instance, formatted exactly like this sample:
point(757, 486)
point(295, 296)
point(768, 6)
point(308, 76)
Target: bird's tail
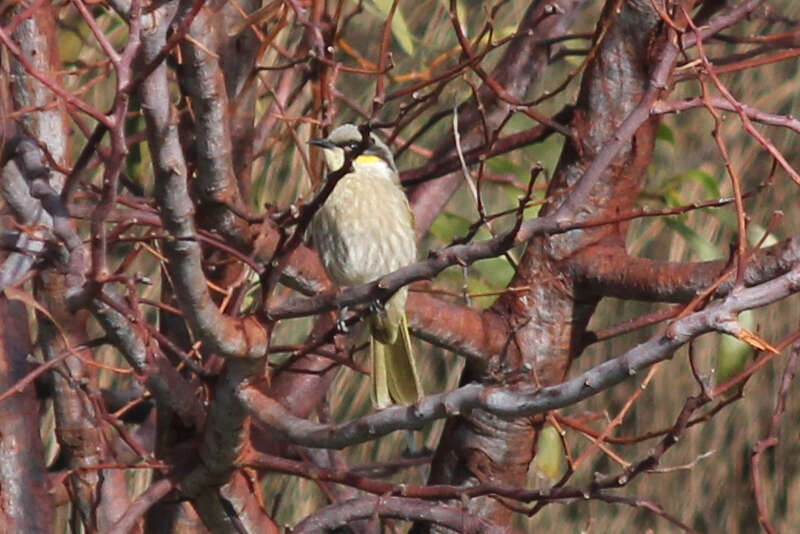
point(394, 372)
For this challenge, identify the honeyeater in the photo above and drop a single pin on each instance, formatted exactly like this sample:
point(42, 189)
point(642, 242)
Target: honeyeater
point(364, 230)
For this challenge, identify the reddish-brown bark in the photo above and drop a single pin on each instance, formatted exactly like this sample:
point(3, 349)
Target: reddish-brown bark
point(227, 416)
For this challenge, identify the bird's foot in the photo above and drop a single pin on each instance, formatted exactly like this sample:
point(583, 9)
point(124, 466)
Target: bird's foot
point(341, 321)
point(377, 307)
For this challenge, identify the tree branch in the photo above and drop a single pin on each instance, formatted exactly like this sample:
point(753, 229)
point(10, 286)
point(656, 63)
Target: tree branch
point(340, 514)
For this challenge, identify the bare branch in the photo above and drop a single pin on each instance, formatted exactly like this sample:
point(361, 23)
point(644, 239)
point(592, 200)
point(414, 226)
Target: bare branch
point(339, 515)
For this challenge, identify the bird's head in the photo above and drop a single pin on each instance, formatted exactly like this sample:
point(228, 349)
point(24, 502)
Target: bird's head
point(375, 158)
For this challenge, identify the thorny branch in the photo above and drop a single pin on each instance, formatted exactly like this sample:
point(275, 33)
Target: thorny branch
point(172, 253)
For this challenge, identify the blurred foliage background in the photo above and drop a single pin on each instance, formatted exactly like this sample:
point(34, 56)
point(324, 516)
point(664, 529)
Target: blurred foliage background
point(706, 479)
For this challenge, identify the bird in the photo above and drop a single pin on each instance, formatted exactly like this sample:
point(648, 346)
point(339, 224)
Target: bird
point(364, 230)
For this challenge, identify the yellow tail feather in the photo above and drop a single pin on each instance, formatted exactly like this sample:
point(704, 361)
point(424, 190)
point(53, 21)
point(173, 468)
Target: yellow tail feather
point(394, 373)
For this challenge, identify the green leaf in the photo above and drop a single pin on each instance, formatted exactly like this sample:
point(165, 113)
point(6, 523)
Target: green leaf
point(503, 165)
point(708, 181)
point(665, 133)
point(550, 458)
point(733, 354)
point(476, 285)
point(672, 197)
point(448, 226)
point(399, 26)
point(755, 232)
point(496, 271)
point(70, 46)
point(698, 244)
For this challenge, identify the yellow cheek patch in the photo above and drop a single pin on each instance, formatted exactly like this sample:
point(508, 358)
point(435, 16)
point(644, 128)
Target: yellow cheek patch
point(367, 158)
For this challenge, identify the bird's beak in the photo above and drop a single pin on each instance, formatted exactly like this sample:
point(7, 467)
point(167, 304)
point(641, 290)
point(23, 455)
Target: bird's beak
point(322, 143)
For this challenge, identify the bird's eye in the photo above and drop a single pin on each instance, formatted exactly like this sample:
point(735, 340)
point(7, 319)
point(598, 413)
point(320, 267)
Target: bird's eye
point(352, 145)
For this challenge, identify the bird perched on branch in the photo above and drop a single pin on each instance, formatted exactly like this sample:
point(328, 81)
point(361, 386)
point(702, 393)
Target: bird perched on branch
point(364, 230)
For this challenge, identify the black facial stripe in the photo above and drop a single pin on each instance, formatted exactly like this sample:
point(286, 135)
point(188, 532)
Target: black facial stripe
point(372, 150)
point(347, 144)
